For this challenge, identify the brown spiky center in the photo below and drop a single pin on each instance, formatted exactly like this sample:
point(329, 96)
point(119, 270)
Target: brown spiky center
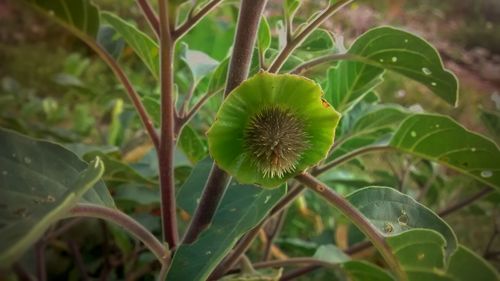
point(275, 139)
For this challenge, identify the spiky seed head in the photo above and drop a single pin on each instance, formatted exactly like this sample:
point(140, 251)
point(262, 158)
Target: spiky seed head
point(275, 139)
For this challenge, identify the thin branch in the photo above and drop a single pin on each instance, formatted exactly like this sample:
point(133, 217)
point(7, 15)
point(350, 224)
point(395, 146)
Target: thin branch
point(167, 140)
point(276, 228)
point(357, 218)
point(320, 60)
point(291, 262)
point(150, 16)
point(489, 244)
point(77, 257)
point(299, 38)
point(126, 222)
point(298, 272)
point(193, 19)
point(248, 23)
point(348, 157)
point(465, 202)
point(65, 227)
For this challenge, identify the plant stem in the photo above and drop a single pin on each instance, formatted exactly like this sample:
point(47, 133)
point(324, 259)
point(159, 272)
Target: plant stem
point(248, 23)
point(150, 16)
point(163, 272)
point(167, 140)
point(320, 60)
point(357, 218)
point(126, 222)
point(193, 19)
point(299, 38)
point(348, 157)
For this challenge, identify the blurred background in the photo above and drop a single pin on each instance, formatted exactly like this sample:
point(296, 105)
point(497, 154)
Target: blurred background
point(53, 87)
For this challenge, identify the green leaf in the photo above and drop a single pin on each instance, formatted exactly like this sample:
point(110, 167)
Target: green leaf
point(80, 16)
point(372, 127)
point(145, 47)
point(218, 78)
point(108, 39)
point(362, 271)
point(192, 145)
point(354, 270)
point(319, 40)
point(264, 35)
point(441, 139)
point(39, 182)
point(392, 49)
point(241, 208)
point(419, 249)
point(136, 193)
point(491, 119)
point(212, 36)
point(189, 193)
point(330, 253)
point(198, 62)
point(466, 265)
point(393, 212)
point(152, 105)
point(120, 172)
point(421, 254)
point(349, 82)
point(290, 7)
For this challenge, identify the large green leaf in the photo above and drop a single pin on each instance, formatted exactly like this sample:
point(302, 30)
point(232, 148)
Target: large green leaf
point(393, 212)
point(241, 208)
point(441, 139)
point(392, 49)
point(80, 16)
point(372, 127)
point(466, 265)
point(421, 254)
point(349, 82)
point(39, 182)
point(141, 43)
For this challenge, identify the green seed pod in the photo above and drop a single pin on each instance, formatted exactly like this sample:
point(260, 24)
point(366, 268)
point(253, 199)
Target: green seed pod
point(271, 128)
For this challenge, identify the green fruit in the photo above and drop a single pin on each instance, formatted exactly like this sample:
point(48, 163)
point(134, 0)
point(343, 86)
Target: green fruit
point(271, 128)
